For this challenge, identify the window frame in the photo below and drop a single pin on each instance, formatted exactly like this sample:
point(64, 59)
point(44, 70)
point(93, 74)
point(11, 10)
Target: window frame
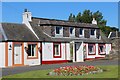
point(60, 28)
point(81, 35)
point(93, 36)
point(73, 31)
point(94, 48)
point(102, 53)
point(36, 53)
point(57, 56)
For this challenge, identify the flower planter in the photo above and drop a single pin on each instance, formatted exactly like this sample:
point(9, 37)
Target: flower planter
point(75, 71)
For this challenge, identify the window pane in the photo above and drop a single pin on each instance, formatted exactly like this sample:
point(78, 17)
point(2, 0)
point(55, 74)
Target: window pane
point(92, 31)
point(71, 30)
point(81, 31)
point(57, 30)
point(29, 50)
point(101, 48)
point(57, 49)
point(90, 47)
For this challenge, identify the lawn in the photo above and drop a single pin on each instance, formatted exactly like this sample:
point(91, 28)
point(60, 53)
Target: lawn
point(112, 72)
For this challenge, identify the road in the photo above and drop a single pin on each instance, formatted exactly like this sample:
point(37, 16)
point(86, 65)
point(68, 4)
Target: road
point(15, 70)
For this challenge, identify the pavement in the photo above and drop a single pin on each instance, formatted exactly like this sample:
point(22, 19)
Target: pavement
point(16, 70)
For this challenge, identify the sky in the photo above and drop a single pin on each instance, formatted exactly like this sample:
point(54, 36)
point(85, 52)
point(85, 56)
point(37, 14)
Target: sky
point(12, 11)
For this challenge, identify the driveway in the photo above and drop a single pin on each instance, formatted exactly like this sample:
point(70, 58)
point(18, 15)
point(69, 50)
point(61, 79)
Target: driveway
point(15, 70)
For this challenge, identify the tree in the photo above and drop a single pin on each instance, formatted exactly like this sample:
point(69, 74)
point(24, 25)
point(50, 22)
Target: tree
point(86, 16)
point(78, 17)
point(99, 17)
point(71, 17)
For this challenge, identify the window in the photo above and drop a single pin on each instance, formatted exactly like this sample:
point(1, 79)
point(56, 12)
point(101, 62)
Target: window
point(58, 30)
point(71, 30)
point(91, 48)
point(31, 50)
point(92, 32)
point(101, 48)
point(56, 50)
point(81, 31)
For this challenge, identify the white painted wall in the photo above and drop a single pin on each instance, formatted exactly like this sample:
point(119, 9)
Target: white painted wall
point(2, 54)
point(108, 48)
point(68, 51)
point(47, 51)
point(97, 52)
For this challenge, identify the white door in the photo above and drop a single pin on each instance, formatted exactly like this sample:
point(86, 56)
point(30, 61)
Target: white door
point(17, 54)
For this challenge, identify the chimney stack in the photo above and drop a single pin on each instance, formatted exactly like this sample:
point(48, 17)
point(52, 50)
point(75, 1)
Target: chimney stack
point(27, 16)
point(94, 21)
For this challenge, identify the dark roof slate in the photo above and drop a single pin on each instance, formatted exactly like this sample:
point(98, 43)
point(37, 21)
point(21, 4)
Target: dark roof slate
point(18, 32)
point(54, 22)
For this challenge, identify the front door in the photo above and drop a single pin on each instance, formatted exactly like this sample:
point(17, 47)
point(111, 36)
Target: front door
point(17, 54)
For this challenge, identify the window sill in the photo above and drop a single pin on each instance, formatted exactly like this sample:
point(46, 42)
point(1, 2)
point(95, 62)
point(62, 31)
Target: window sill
point(102, 53)
point(30, 57)
point(91, 54)
point(56, 56)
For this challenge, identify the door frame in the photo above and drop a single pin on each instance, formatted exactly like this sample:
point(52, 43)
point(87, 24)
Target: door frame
point(22, 56)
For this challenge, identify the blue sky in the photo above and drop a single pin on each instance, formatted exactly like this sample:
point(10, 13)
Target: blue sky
point(12, 11)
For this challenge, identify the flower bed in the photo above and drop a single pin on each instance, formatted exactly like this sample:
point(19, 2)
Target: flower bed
point(75, 70)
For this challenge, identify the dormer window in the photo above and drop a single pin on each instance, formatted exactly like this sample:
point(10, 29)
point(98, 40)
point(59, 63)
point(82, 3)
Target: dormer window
point(72, 31)
point(58, 30)
point(93, 33)
point(81, 32)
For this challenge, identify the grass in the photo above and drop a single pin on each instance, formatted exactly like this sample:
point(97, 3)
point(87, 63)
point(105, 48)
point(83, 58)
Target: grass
point(112, 72)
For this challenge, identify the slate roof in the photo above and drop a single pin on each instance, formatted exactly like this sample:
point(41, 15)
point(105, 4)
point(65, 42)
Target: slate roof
point(45, 21)
point(18, 32)
point(52, 22)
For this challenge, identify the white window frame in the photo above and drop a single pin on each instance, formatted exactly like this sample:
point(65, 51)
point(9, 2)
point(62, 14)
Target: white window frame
point(82, 32)
point(73, 32)
point(93, 36)
point(94, 49)
point(60, 30)
point(104, 47)
point(35, 49)
point(58, 49)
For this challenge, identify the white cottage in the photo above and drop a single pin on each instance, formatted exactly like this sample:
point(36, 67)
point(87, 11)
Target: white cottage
point(47, 41)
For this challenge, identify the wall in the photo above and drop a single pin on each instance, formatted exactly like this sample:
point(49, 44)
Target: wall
point(10, 55)
point(2, 54)
point(108, 48)
point(68, 51)
point(96, 51)
point(47, 53)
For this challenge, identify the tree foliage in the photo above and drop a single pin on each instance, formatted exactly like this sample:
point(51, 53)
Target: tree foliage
point(87, 17)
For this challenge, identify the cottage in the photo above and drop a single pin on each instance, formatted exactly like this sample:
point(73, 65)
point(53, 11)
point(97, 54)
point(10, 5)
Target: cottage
point(47, 41)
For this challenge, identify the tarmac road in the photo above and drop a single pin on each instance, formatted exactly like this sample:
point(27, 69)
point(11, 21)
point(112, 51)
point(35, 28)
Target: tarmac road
point(15, 70)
